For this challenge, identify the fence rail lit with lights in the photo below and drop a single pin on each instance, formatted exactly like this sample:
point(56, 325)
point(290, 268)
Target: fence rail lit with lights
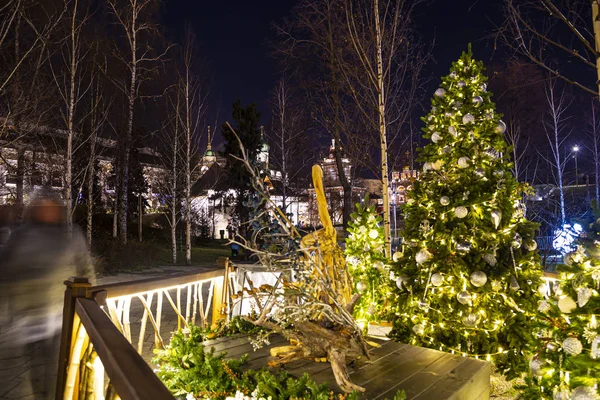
point(102, 345)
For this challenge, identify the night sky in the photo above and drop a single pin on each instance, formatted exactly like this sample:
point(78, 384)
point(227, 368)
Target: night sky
point(233, 38)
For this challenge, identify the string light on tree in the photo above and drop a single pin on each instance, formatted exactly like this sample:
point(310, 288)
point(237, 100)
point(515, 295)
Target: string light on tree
point(464, 267)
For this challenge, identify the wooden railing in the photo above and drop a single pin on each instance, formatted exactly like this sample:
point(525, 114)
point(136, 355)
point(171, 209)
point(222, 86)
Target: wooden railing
point(98, 359)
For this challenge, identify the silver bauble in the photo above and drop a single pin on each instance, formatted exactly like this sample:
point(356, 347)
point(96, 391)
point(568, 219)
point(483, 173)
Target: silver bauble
point(461, 84)
point(514, 284)
point(436, 137)
point(464, 297)
point(468, 119)
point(470, 320)
point(440, 92)
point(448, 114)
point(561, 394)
point(453, 75)
point(423, 305)
point(463, 162)
point(478, 278)
point(584, 393)
point(419, 329)
point(483, 87)
point(496, 218)
point(461, 212)
point(463, 246)
point(517, 241)
point(551, 347)
point(490, 259)
point(583, 296)
point(595, 352)
point(572, 346)
point(477, 100)
point(401, 282)
point(498, 173)
point(543, 306)
point(447, 149)
point(444, 200)
point(479, 172)
point(437, 279)
point(396, 256)
point(536, 366)
point(378, 265)
point(422, 256)
point(452, 131)
point(371, 310)
point(361, 287)
point(531, 245)
point(501, 127)
point(566, 304)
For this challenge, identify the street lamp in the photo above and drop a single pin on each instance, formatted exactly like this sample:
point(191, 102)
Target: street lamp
point(576, 151)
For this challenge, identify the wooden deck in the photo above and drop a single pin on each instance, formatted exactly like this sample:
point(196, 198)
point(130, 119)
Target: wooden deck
point(423, 373)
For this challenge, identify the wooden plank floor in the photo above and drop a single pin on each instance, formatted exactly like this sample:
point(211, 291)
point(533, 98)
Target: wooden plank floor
point(422, 373)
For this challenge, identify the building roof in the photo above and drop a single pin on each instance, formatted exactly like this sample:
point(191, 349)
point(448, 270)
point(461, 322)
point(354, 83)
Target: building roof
point(214, 178)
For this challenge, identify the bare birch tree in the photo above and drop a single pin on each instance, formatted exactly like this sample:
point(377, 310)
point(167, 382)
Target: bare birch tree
point(288, 137)
point(557, 133)
point(71, 87)
point(134, 18)
point(593, 134)
point(193, 109)
point(547, 30)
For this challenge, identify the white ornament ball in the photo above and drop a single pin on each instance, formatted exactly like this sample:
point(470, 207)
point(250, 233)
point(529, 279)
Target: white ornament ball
point(498, 173)
point(437, 279)
point(436, 137)
point(478, 278)
point(464, 297)
point(461, 212)
point(572, 346)
point(440, 92)
point(419, 329)
point(501, 127)
point(561, 394)
point(422, 256)
point(566, 304)
point(463, 162)
point(584, 393)
point(371, 310)
point(490, 259)
point(373, 233)
point(361, 287)
point(517, 241)
point(483, 87)
point(462, 84)
point(531, 245)
point(427, 167)
point(444, 200)
point(452, 131)
point(536, 366)
point(477, 100)
point(453, 75)
point(378, 265)
point(401, 282)
point(468, 119)
point(396, 256)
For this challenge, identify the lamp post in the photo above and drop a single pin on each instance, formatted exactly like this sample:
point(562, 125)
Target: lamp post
point(576, 151)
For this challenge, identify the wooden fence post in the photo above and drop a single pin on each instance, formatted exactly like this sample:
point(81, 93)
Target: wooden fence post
point(76, 287)
point(219, 300)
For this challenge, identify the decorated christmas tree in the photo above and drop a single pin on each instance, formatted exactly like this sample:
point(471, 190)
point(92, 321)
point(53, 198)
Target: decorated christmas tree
point(566, 362)
point(367, 263)
point(467, 280)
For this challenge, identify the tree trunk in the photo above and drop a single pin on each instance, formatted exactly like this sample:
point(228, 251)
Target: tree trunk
point(596, 24)
point(382, 134)
point(20, 177)
point(140, 217)
point(90, 192)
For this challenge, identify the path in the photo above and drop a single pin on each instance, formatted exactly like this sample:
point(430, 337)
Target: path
point(16, 363)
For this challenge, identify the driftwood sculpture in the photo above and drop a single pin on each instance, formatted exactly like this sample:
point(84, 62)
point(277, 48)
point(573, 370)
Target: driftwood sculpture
point(312, 308)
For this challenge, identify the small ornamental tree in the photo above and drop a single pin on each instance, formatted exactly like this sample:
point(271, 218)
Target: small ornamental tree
point(366, 261)
point(468, 278)
point(566, 362)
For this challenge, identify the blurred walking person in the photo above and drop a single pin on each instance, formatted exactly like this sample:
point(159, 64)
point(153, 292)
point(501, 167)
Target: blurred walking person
point(35, 261)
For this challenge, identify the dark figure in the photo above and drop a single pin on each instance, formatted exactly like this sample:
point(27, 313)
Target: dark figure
point(35, 261)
